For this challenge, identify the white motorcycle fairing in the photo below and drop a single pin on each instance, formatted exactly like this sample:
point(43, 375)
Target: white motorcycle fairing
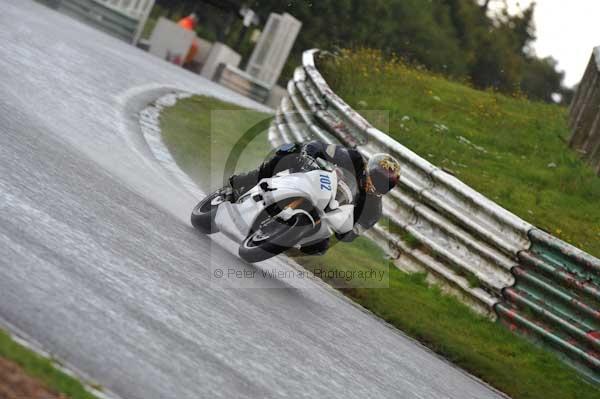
point(318, 187)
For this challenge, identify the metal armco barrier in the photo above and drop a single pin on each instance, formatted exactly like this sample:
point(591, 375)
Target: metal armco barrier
point(241, 82)
point(584, 114)
point(502, 266)
point(556, 299)
point(123, 19)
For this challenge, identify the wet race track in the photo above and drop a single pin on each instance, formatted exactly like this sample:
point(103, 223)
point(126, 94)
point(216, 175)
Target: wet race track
point(99, 265)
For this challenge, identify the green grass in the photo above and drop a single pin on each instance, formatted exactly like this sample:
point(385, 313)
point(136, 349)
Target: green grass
point(501, 146)
point(406, 236)
point(202, 132)
point(42, 369)
point(449, 327)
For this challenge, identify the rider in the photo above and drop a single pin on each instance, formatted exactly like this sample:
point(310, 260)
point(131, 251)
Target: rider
point(374, 178)
point(190, 23)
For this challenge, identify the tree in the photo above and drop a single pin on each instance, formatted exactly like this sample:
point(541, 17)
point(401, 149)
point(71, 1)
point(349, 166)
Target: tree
point(540, 80)
point(458, 38)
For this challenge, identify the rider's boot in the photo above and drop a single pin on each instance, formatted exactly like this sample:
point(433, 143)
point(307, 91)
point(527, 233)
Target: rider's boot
point(318, 248)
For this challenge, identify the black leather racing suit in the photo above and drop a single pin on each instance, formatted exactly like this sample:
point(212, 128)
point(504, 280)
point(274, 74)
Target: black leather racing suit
point(367, 207)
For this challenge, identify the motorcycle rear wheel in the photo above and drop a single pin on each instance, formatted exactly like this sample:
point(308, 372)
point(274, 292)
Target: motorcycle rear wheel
point(273, 237)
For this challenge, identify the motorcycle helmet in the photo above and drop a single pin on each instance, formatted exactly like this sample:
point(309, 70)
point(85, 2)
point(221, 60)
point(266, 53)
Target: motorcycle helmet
point(383, 173)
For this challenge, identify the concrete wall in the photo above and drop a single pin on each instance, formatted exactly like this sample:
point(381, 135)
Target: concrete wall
point(219, 54)
point(170, 42)
point(273, 48)
point(204, 48)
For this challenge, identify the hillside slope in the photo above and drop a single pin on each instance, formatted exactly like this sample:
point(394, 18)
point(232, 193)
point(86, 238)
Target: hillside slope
point(508, 148)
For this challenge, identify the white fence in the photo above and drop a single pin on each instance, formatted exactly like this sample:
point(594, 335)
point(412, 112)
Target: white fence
point(584, 114)
point(124, 19)
point(136, 9)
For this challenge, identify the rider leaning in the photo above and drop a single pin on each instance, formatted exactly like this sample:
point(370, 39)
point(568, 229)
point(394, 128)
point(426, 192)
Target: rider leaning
point(374, 178)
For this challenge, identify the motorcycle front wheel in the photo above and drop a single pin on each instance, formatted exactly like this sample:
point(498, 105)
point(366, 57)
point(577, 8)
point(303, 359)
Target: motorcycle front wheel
point(203, 214)
point(274, 236)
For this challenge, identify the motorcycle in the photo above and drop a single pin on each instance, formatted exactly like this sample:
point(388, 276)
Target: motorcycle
point(293, 208)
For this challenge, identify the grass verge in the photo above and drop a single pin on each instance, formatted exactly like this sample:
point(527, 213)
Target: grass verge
point(199, 136)
point(41, 369)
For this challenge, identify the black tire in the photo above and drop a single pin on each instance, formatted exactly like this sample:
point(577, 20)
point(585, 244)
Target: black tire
point(280, 237)
point(203, 214)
